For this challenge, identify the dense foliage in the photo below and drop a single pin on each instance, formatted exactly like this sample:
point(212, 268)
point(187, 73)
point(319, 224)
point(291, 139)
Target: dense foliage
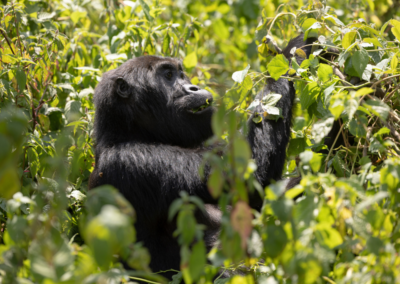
point(343, 228)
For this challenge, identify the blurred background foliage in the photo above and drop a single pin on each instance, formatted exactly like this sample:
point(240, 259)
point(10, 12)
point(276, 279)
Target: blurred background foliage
point(344, 229)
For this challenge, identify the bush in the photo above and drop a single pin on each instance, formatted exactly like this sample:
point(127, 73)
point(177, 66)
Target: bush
point(343, 229)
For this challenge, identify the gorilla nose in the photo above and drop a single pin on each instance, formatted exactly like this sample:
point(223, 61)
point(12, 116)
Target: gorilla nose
point(191, 88)
point(195, 90)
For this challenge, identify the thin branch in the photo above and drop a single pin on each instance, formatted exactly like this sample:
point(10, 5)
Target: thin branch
point(365, 150)
point(391, 93)
point(392, 130)
point(384, 79)
point(276, 17)
point(8, 42)
point(333, 146)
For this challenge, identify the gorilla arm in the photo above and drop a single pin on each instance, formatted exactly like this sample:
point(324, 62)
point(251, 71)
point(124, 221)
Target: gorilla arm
point(269, 139)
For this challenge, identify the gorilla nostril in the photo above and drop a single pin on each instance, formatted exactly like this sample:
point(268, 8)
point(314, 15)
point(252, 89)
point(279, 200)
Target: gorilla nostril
point(191, 88)
point(194, 88)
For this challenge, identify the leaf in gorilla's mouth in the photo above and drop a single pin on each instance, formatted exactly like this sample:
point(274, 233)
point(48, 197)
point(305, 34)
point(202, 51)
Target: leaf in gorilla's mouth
point(202, 107)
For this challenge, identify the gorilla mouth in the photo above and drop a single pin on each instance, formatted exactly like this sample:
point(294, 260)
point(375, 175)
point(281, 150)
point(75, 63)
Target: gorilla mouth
point(207, 104)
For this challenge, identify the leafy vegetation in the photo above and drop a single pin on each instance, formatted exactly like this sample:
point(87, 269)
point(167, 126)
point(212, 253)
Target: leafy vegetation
point(343, 229)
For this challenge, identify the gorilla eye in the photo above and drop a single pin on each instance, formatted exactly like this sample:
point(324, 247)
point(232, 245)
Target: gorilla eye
point(182, 75)
point(169, 75)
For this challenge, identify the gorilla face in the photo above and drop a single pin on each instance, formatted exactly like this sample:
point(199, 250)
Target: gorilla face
point(150, 99)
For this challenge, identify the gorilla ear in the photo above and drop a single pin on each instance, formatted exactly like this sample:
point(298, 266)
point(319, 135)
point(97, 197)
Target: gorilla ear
point(122, 88)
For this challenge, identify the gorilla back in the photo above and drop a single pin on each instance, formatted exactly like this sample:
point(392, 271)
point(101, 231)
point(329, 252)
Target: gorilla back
point(150, 125)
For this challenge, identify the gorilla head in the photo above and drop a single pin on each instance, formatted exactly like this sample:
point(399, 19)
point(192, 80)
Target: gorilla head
point(149, 99)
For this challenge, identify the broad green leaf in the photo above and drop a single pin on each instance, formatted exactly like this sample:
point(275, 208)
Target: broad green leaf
point(72, 110)
point(21, 79)
point(282, 209)
point(296, 146)
point(146, 10)
point(166, 42)
point(374, 41)
point(396, 28)
point(242, 153)
point(350, 106)
point(358, 126)
point(394, 62)
point(239, 76)
point(43, 16)
point(238, 94)
point(327, 236)
point(77, 15)
point(363, 91)
point(325, 72)
point(378, 108)
point(309, 95)
point(322, 128)
point(271, 99)
point(220, 29)
point(275, 240)
point(308, 23)
point(197, 261)
point(382, 131)
point(215, 183)
point(360, 61)
point(190, 60)
point(348, 39)
point(278, 66)
point(340, 166)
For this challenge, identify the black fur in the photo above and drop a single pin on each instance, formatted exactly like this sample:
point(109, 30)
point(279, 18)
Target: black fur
point(149, 145)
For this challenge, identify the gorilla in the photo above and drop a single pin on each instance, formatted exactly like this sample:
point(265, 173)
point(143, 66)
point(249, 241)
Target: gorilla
point(150, 127)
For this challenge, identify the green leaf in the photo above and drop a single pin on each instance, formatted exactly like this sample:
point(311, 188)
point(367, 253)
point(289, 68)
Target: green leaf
point(275, 241)
point(166, 42)
point(239, 76)
point(73, 110)
point(197, 261)
point(378, 108)
point(321, 129)
point(215, 183)
point(283, 209)
point(220, 29)
point(374, 41)
point(351, 107)
point(9, 182)
point(33, 159)
point(360, 60)
point(325, 72)
point(190, 60)
point(358, 126)
point(242, 153)
point(382, 131)
point(309, 95)
point(394, 62)
point(348, 39)
point(278, 66)
point(77, 15)
point(21, 79)
point(296, 146)
point(340, 166)
point(238, 94)
point(396, 28)
point(146, 10)
point(327, 236)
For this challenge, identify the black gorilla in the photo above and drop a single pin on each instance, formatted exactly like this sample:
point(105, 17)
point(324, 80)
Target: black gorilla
point(150, 126)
